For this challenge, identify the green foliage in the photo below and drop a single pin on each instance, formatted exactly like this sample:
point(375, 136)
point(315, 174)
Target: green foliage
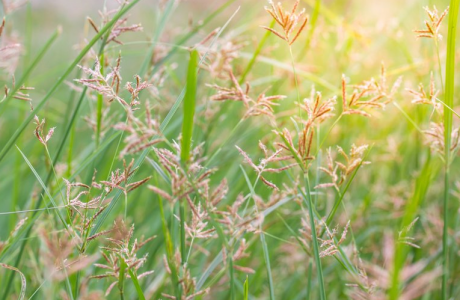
point(203, 141)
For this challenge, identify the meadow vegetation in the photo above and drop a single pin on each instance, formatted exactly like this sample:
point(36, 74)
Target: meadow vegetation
point(230, 149)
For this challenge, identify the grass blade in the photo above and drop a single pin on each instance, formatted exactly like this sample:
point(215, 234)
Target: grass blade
point(267, 263)
point(189, 107)
point(44, 187)
point(421, 188)
point(121, 277)
point(133, 276)
point(246, 288)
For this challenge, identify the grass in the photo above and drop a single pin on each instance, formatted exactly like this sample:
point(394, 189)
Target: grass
point(258, 152)
point(189, 107)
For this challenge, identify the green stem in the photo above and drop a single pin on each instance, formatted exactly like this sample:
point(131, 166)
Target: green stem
point(183, 251)
point(449, 100)
point(295, 78)
point(100, 104)
point(322, 292)
point(256, 53)
point(445, 237)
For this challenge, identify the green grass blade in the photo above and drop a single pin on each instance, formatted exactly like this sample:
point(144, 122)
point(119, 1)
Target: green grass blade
point(421, 188)
point(179, 99)
point(232, 276)
point(43, 186)
point(169, 247)
point(121, 276)
point(246, 289)
point(189, 107)
point(267, 264)
point(135, 280)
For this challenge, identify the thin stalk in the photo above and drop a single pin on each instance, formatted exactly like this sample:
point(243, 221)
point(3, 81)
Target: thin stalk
point(439, 62)
point(295, 78)
point(100, 104)
point(256, 53)
point(183, 250)
point(169, 250)
point(310, 271)
point(322, 292)
point(232, 276)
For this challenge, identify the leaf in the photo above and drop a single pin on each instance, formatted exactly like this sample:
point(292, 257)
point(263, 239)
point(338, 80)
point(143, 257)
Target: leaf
point(140, 294)
point(189, 107)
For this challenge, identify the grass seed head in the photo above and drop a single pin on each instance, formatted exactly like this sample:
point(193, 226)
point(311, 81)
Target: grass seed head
point(288, 20)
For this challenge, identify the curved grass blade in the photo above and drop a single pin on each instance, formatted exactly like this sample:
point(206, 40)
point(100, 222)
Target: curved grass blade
point(44, 187)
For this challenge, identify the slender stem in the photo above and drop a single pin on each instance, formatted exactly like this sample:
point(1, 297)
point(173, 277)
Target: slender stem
point(295, 78)
point(322, 292)
point(232, 276)
point(256, 53)
point(439, 63)
point(445, 237)
point(100, 104)
point(182, 233)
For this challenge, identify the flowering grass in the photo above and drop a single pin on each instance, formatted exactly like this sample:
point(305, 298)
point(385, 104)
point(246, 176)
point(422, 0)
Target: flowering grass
point(230, 149)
